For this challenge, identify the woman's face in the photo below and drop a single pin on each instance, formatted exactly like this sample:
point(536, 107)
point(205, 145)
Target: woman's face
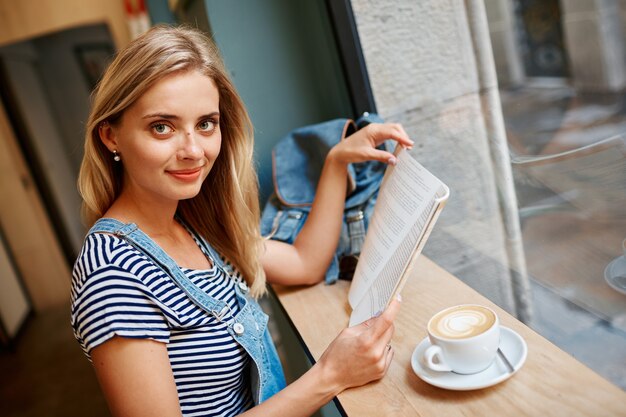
point(168, 139)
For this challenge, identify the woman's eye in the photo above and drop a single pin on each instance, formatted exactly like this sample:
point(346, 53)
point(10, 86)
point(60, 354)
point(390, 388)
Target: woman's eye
point(161, 128)
point(206, 126)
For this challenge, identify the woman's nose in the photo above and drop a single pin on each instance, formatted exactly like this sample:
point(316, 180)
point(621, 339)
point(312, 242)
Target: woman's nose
point(190, 147)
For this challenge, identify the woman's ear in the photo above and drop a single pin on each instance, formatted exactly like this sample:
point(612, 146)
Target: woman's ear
point(107, 135)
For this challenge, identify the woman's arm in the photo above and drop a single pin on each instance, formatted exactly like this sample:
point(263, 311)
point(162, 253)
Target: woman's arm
point(307, 259)
point(137, 380)
point(360, 354)
point(136, 377)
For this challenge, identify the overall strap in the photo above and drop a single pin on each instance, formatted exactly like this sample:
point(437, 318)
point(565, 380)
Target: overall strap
point(138, 239)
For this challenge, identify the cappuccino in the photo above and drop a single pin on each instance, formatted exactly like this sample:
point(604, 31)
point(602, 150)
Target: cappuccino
point(461, 322)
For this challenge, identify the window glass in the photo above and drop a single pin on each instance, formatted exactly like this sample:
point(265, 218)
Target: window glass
point(562, 77)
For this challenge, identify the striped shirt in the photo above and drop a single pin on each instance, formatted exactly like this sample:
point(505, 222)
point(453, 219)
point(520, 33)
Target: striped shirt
point(118, 291)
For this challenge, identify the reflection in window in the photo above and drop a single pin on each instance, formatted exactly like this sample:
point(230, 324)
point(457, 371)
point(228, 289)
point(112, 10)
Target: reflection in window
point(562, 79)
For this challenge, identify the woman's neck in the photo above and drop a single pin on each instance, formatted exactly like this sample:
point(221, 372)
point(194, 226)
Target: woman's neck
point(156, 218)
point(159, 223)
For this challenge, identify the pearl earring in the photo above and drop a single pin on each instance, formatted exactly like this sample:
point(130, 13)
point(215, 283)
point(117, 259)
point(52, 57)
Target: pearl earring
point(116, 157)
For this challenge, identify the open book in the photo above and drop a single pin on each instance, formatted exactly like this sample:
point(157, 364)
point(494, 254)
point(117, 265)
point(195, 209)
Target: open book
point(409, 202)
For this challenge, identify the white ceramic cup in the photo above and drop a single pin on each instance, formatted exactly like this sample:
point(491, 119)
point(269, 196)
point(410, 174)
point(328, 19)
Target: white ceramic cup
point(464, 339)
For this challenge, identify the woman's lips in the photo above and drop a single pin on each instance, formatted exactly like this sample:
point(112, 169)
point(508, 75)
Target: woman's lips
point(186, 174)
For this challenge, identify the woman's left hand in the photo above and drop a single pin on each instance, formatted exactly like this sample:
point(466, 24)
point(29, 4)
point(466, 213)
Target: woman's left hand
point(307, 259)
point(361, 145)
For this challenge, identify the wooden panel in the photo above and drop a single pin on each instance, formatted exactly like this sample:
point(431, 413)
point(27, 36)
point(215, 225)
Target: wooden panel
point(25, 19)
point(14, 306)
point(551, 382)
point(27, 228)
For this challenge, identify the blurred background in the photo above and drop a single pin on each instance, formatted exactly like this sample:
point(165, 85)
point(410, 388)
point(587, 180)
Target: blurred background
point(518, 105)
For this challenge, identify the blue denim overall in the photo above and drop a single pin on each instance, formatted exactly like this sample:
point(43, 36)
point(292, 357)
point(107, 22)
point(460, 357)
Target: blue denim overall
point(298, 160)
point(249, 326)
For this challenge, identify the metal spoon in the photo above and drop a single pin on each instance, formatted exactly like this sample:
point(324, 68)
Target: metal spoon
point(506, 361)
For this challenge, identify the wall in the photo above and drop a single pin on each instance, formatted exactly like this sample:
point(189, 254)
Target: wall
point(424, 74)
point(622, 9)
point(20, 64)
point(27, 226)
point(65, 85)
point(594, 33)
point(282, 59)
point(504, 40)
point(52, 97)
point(26, 19)
point(14, 306)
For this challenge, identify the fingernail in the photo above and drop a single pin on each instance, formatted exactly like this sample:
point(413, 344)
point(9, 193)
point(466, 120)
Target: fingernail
point(392, 160)
point(378, 313)
point(399, 298)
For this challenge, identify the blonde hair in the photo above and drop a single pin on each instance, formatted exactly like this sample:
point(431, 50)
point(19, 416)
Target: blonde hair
point(226, 211)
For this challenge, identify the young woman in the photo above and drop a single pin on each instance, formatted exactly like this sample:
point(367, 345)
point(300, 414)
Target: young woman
point(164, 289)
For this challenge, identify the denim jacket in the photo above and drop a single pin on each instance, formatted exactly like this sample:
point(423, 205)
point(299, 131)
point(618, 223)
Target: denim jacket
point(297, 165)
point(249, 327)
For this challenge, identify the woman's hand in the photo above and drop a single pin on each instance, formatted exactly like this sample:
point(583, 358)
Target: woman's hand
point(360, 354)
point(361, 145)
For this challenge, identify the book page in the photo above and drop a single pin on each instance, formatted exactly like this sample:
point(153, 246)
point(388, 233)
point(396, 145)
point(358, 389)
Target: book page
point(393, 277)
point(406, 203)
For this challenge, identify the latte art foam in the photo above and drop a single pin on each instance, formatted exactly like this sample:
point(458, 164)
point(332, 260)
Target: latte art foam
point(461, 322)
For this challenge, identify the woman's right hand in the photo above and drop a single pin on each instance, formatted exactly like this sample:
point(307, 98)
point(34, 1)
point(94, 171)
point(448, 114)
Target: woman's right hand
point(361, 353)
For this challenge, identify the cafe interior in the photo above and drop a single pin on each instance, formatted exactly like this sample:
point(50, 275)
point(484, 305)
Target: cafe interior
point(519, 106)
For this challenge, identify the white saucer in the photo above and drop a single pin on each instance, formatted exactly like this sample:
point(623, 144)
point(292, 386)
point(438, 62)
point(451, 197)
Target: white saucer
point(615, 268)
point(511, 344)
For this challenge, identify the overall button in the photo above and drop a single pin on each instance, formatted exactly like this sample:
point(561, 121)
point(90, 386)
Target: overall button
point(238, 328)
point(243, 286)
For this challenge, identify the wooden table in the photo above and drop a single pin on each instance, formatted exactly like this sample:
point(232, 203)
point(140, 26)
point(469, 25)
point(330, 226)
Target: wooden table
point(551, 382)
